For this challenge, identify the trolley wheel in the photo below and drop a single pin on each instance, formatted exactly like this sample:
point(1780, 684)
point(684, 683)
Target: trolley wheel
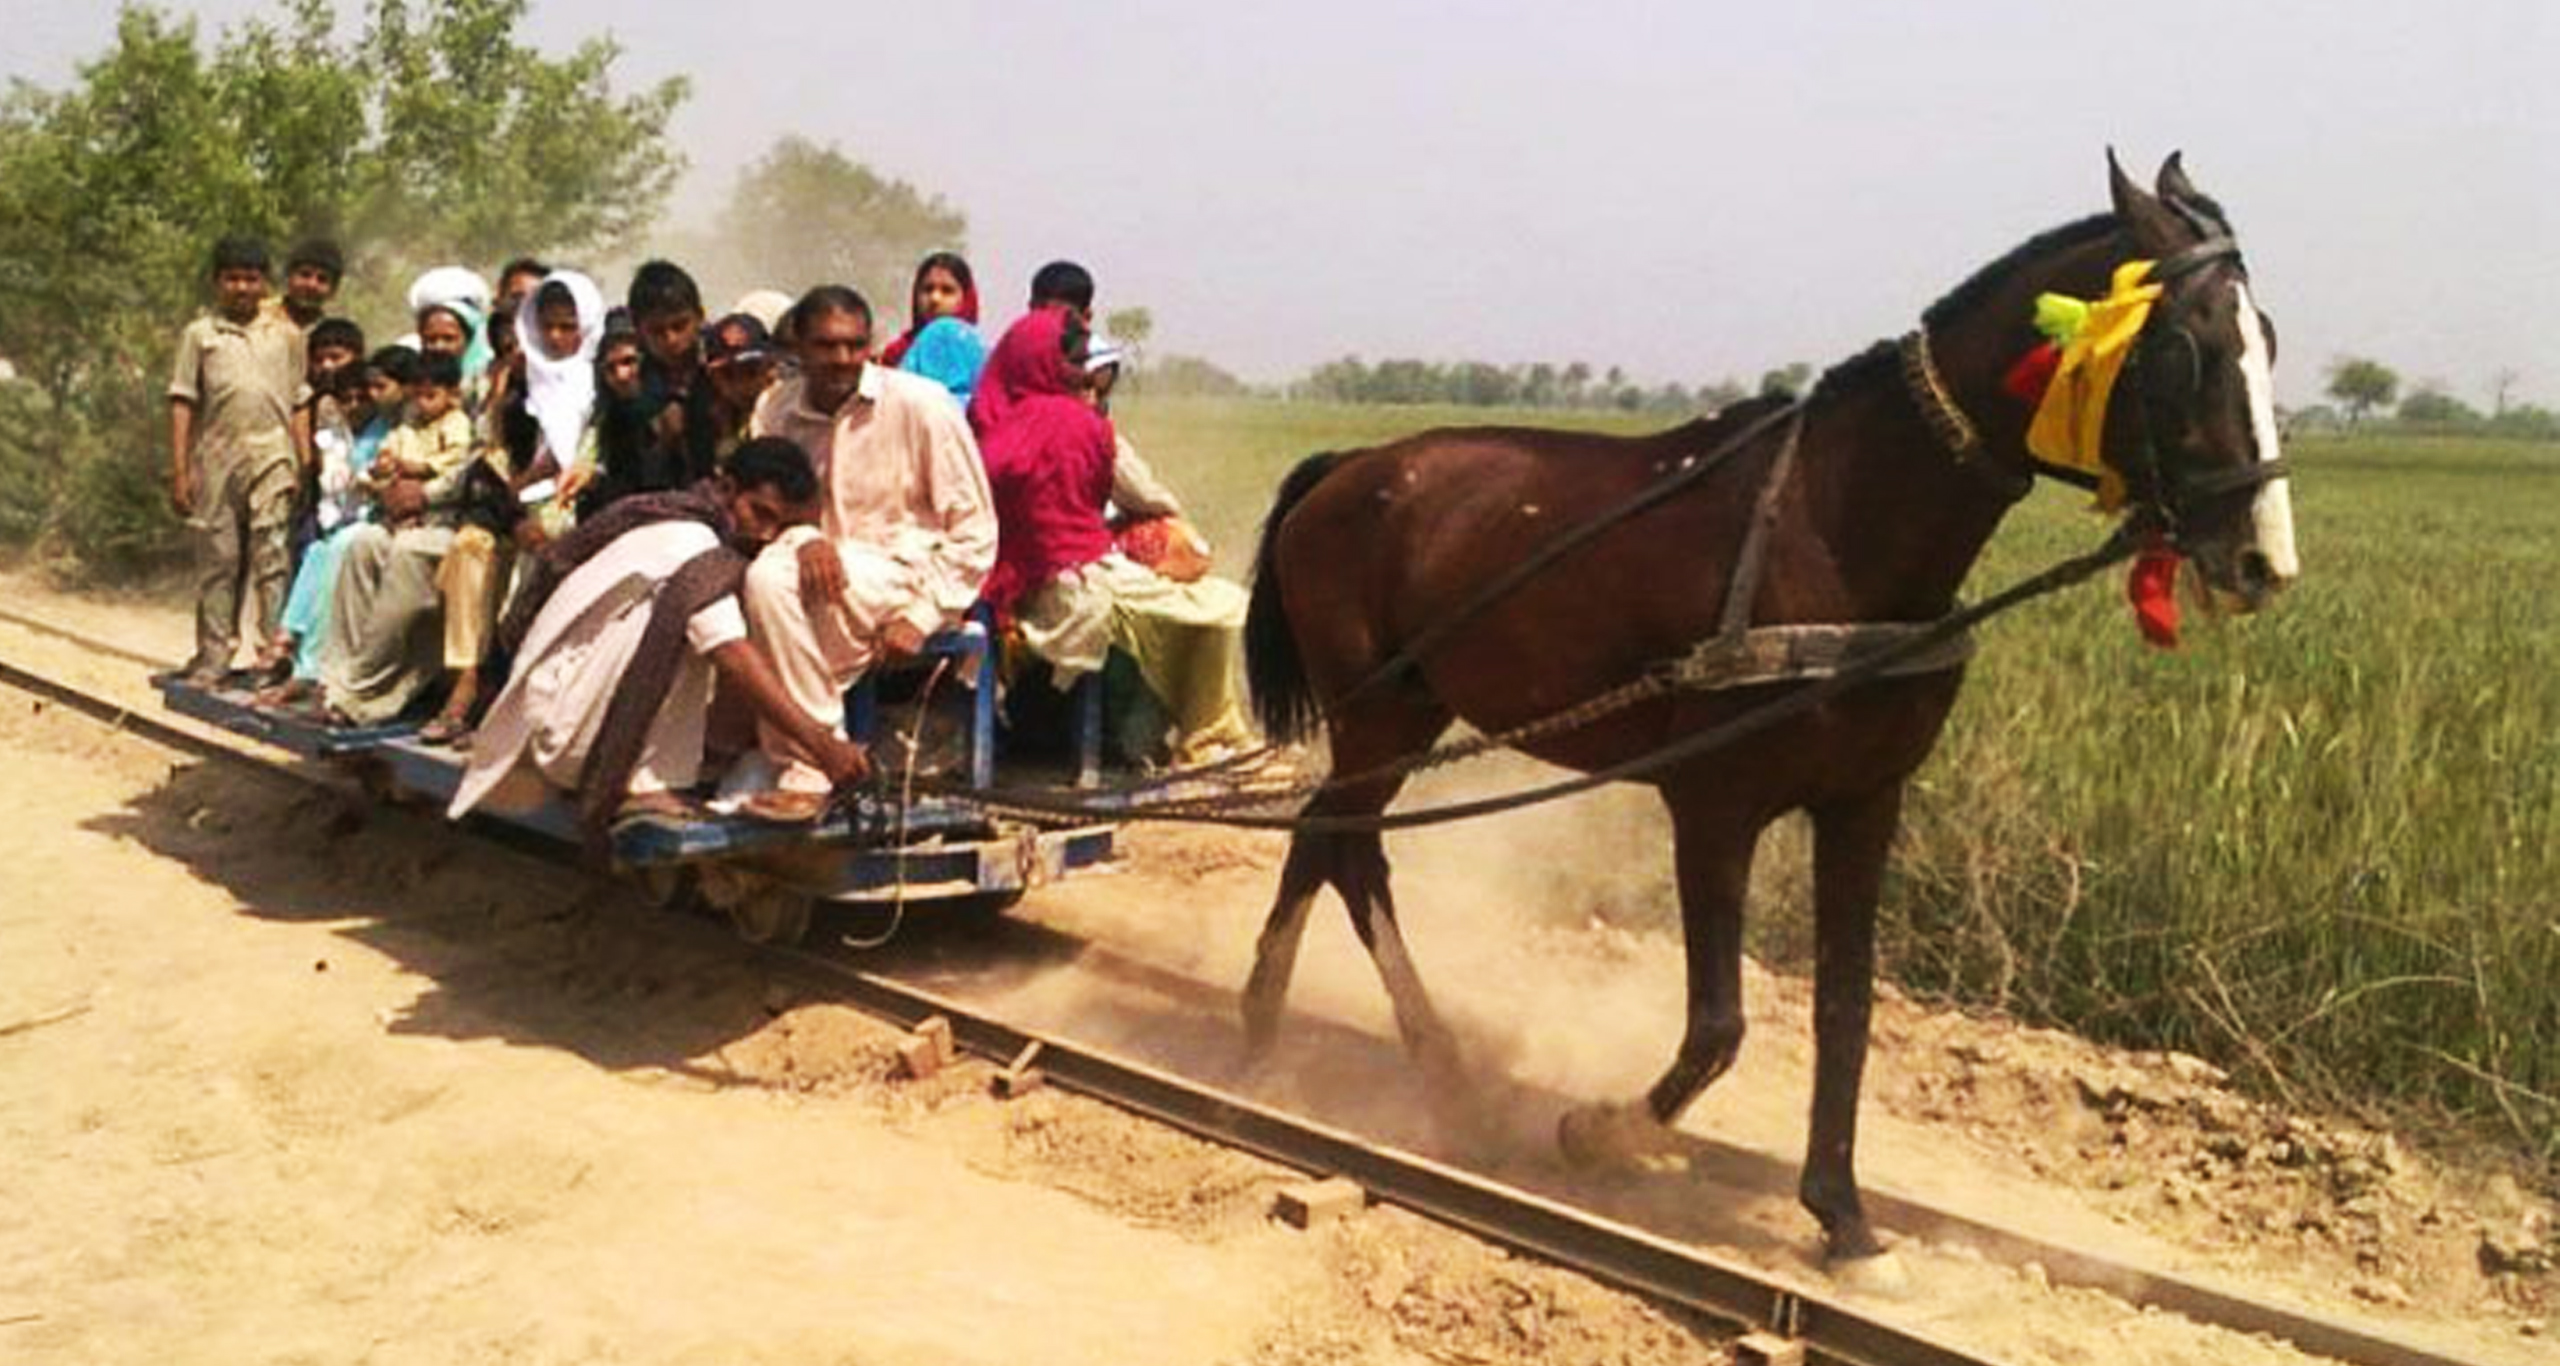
point(772, 915)
point(672, 888)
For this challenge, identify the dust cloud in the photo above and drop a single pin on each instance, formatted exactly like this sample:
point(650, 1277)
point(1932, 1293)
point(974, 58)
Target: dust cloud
point(1548, 938)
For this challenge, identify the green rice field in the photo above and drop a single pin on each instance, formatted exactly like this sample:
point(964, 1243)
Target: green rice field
point(2320, 846)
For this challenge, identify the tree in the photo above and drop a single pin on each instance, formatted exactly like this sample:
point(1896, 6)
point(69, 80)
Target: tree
point(1191, 375)
point(1786, 381)
point(113, 190)
point(1130, 327)
point(1721, 393)
point(808, 215)
point(2361, 384)
point(2502, 387)
point(2429, 405)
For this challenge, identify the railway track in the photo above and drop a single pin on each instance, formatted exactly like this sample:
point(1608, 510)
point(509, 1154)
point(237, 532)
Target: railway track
point(1783, 1316)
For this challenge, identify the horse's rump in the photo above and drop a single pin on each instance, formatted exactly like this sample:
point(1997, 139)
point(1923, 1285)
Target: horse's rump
point(1367, 550)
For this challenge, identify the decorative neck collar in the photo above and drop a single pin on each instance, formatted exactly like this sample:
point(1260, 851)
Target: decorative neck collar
point(1946, 418)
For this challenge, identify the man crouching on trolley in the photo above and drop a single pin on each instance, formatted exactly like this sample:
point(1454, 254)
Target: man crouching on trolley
point(617, 640)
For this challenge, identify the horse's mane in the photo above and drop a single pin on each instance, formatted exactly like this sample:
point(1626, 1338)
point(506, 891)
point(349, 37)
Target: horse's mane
point(1886, 354)
point(1877, 356)
point(1980, 282)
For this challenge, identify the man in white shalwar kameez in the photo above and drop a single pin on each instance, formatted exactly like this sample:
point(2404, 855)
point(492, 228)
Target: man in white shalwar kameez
point(583, 643)
point(906, 530)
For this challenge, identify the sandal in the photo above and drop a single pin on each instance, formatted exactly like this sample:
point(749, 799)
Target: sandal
point(655, 806)
point(785, 808)
point(445, 730)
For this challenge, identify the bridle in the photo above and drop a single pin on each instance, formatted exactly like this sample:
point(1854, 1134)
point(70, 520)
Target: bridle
point(2162, 376)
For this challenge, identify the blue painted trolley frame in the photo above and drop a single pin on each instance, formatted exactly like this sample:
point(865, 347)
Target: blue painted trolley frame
point(935, 848)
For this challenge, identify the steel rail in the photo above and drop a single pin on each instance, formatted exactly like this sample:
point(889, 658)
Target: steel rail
point(1605, 1249)
point(1610, 1251)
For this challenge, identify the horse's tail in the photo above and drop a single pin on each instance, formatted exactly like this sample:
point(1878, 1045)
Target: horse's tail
point(1282, 699)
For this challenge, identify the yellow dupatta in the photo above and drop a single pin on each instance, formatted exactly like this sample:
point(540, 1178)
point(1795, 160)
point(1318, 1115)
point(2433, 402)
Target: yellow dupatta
point(2070, 424)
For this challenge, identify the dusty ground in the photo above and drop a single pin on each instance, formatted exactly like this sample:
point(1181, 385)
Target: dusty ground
point(280, 1085)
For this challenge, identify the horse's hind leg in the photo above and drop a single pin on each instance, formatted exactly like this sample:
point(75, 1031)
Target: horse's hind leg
point(1713, 850)
point(1275, 955)
point(1350, 862)
point(1373, 918)
point(1851, 840)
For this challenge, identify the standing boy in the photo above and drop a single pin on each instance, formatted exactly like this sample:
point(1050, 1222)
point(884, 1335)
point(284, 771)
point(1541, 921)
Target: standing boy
point(238, 435)
point(311, 276)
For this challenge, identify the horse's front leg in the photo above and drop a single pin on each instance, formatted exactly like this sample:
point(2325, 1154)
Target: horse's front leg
point(1713, 847)
point(1851, 839)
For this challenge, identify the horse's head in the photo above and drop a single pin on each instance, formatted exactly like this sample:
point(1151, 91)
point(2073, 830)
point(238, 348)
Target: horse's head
point(2196, 441)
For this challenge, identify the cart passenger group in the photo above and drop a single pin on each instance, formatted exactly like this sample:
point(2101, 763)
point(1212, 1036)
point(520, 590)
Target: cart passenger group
point(637, 555)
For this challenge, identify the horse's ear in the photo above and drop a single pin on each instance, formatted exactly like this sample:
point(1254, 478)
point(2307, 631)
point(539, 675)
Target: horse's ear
point(2154, 228)
point(2172, 182)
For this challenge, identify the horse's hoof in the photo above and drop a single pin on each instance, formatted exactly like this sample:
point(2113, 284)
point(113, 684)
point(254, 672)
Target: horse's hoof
point(1625, 1139)
point(1248, 1067)
point(1881, 1274)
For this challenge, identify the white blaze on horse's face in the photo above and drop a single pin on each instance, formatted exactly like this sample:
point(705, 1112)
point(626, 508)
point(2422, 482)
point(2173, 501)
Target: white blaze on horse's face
point(2271, 511)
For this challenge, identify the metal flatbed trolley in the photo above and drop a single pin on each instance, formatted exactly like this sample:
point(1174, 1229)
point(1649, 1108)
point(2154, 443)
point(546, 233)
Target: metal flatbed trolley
point(935, 853)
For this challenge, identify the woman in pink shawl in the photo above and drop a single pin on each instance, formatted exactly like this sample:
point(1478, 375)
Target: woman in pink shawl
point(1059, 575)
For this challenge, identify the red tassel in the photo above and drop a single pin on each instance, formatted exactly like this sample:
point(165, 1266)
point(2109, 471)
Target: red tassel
point(2033, 374)
point(2152, 587)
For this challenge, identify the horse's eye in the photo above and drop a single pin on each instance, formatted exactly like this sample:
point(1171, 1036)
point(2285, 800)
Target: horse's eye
point(2267, 328)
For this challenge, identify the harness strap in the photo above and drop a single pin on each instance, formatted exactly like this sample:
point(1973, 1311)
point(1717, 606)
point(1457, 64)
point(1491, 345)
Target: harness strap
point(2237, 477)
point(1744, 589)
point(1793, 654)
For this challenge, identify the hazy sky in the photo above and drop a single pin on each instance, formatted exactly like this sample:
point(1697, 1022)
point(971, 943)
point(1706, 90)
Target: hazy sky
point(1685, 189)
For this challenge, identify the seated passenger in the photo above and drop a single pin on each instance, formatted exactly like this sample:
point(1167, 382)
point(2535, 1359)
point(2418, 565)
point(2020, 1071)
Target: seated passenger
point(737, 353)
point(906, 530)
point(381, 650)
point(450, 306)
point(1050, 461)
point(618, 637)
point(374, 406)
point(1146, 519)
point(540, 402)
point(941, 342)
point(617, 391)
point(665, 438)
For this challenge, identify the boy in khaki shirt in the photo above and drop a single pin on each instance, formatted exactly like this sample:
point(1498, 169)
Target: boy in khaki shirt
point(239, 435)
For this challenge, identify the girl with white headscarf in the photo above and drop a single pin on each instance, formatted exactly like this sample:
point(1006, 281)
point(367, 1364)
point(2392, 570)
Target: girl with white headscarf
point(559, 327)
point(565, 329)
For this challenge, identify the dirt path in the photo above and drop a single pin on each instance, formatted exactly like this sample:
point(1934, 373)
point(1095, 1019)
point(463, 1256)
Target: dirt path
point(283, 1086)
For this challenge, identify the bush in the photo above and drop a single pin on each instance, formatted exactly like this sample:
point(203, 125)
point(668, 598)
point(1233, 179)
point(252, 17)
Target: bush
point(27, 485)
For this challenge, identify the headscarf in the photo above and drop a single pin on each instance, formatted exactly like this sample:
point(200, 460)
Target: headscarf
point(765, 306)
point(950, 353)
point(894, 354)
point(1048, 458)
point(1011, 374)
point(460, 291)
point(560, 391)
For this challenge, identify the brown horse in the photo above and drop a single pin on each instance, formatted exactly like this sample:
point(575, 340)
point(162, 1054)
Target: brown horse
point(1905, 460)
